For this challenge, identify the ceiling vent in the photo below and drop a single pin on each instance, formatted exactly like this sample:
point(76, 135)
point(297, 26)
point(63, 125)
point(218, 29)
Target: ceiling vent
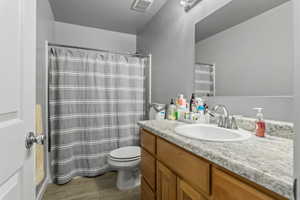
point(141, 5)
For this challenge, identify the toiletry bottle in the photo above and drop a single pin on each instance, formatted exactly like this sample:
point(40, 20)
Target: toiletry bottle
point(181, 101)
point(177, 104)
point(171, 113)
point(260, 123)
point(161, 115)
point(181, 107)
point(192, 102)
point(201, 114)
point(187, 112)
point(199, 103)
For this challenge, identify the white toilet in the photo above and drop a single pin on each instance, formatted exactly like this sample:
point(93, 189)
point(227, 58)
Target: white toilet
point(126, 161)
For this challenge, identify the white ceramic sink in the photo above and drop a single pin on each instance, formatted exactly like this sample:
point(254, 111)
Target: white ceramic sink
point(209, 132)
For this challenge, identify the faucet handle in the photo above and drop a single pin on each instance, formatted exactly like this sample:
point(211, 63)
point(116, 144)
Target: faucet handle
point(221, 121)
point(233, 124)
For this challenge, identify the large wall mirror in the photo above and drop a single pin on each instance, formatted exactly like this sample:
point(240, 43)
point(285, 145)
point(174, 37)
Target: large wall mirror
point(245, 49)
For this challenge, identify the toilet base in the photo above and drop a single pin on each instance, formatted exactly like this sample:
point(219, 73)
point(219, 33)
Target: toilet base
point(128, 179)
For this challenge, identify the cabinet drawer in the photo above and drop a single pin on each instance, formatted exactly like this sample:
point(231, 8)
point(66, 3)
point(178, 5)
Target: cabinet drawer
point(146, 192)
point(227, 187)
point(148, 141)
point(192, 169)
point(148, 168)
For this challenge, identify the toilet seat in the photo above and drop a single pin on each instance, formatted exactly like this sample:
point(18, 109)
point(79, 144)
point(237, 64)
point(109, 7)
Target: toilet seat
point(125, 160)
point(126, 154)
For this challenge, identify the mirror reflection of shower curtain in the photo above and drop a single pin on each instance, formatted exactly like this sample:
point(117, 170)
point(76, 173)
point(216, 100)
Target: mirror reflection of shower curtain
point(95, 101)
point(204, 80)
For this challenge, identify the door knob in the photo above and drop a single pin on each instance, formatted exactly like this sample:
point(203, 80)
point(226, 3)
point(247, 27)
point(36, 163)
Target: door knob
point(32, 139)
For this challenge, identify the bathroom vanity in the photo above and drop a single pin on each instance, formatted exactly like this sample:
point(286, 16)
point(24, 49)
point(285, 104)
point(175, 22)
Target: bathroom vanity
point(176, 167)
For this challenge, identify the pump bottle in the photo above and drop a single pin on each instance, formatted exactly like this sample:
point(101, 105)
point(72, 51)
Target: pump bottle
point(260, 123)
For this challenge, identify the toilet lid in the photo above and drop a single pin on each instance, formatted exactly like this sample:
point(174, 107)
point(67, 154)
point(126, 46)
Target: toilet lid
point(130, 152)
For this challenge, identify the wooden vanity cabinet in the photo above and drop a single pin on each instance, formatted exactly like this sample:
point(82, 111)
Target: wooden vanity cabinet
point(146, 191)
point(172, 173)
point(186, 192)
point(166, 186)
point(186, 165)
point(148, 141)
point(148, 167)
point(226, 187)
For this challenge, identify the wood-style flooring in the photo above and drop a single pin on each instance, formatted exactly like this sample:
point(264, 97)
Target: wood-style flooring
point(99, 188)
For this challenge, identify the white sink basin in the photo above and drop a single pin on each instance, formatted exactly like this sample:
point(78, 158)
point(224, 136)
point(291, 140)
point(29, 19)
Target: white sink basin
point(209, 132)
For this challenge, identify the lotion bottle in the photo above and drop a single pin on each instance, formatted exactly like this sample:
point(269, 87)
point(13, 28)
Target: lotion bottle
point(171, 112)
point(181, 101)
point(260, 123)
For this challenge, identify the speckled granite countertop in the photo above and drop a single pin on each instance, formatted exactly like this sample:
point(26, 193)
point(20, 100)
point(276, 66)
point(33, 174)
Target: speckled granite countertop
point(265, 161)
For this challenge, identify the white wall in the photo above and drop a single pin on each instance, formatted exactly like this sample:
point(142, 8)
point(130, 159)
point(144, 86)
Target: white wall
point(297, 89)
point(70, 34)
point(256, 55)
point(45, 31)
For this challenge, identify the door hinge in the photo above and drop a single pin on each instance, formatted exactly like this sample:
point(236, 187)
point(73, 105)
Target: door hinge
point(295, 189)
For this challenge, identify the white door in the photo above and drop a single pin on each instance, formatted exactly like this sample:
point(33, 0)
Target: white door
point(296, 5)
point(17, 98)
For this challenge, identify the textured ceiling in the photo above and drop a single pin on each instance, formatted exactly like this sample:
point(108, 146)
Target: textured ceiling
point(232, 14)
point(114, 15)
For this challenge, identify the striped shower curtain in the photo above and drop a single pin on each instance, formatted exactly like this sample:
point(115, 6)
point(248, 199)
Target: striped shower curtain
point(95, 101)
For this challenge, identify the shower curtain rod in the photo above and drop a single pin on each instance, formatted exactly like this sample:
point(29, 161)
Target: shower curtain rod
point(200, 63)
point(100, 50)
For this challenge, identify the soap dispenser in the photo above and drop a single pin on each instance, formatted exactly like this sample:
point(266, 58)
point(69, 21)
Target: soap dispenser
point(260, 123)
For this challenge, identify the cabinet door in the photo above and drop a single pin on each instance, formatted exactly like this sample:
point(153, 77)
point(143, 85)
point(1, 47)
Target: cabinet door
point(226, 187)
point(146, 192)
point(186, 165)
point(186, 192)
point(148, 168)
point(166, 183)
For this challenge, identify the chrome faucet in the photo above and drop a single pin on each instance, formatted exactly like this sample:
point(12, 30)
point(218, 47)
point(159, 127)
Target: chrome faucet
point(224, 121)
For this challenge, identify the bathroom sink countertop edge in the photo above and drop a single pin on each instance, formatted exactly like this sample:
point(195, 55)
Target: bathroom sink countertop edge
point(265, 161)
